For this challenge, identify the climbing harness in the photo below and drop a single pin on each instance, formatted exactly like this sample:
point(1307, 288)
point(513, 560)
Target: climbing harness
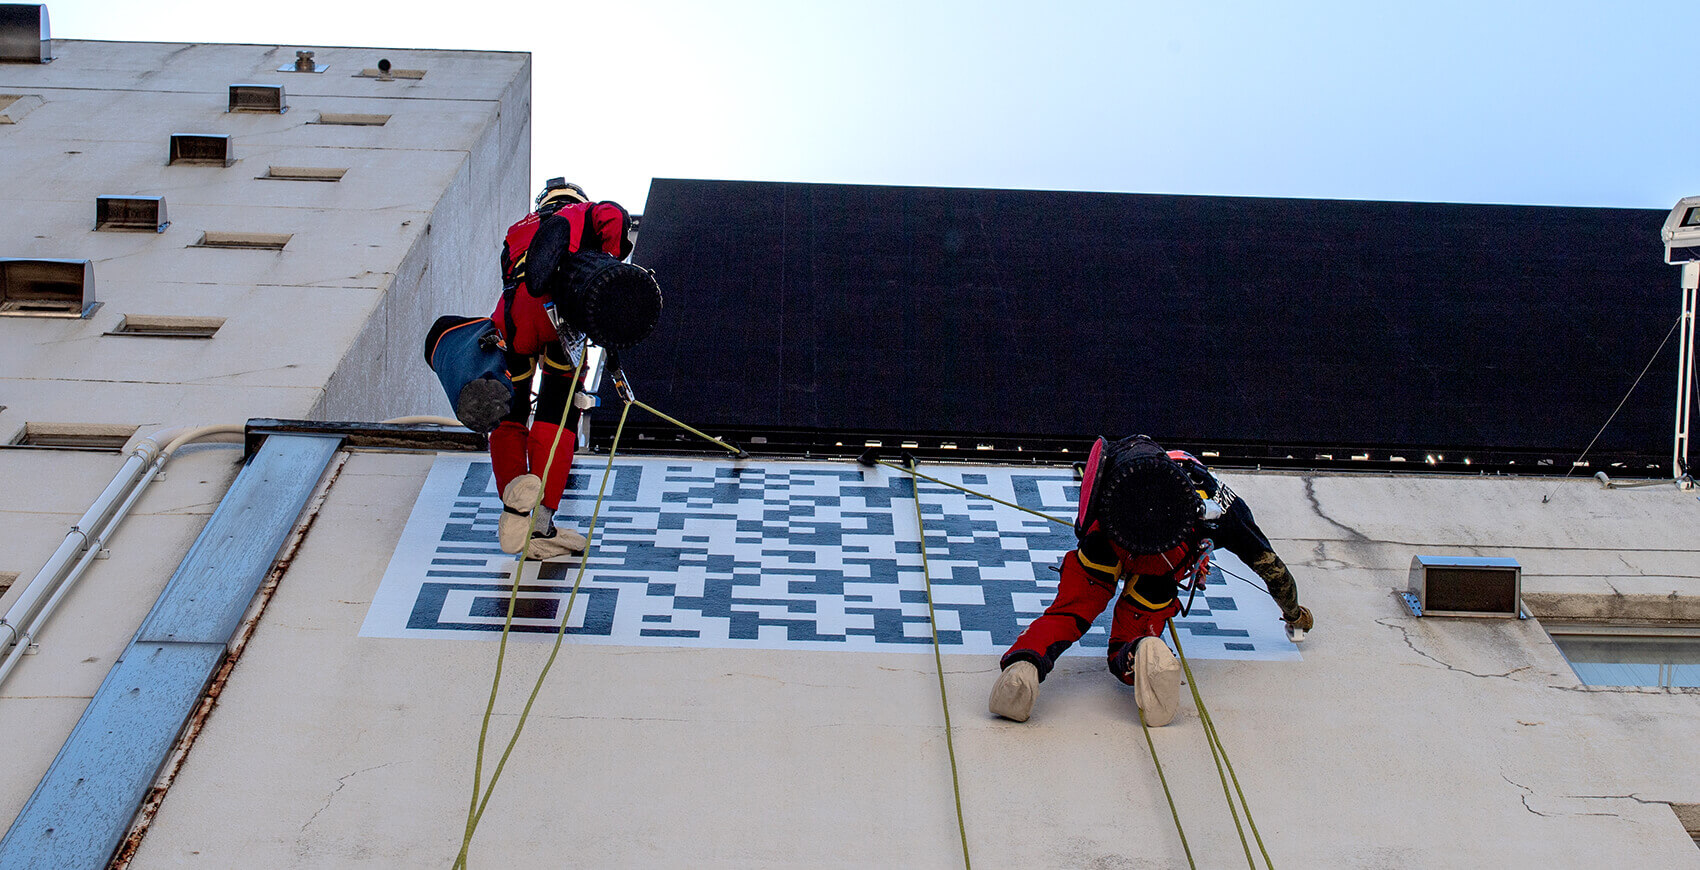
point(938, 659)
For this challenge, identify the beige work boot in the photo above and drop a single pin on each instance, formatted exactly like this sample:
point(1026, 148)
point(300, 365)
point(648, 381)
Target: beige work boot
point(518, 499)
point(555, 543)
point(1156, 681)
point(1016, 690)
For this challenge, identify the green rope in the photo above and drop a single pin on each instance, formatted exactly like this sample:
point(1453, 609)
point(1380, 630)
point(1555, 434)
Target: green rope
point(507, 622)
point(1166, 793)
point(938, 659)
point(1219, 754)
point(560, 635)
point(973, 492)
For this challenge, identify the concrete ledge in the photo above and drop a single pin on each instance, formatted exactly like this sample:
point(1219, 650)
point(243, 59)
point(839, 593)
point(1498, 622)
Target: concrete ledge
point(1613, 606)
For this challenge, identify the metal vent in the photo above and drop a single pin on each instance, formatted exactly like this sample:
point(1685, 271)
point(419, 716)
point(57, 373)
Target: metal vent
point(46, 288)
point(304, 63)
point(130, 213)
point(257, 98)
point(202, 149)
point(352, 119)
point(103, 437)
point(164, 326)
point(246, 241)
point(1465, 586)
point(305, 173)
point(13, 107)
point(24, 33)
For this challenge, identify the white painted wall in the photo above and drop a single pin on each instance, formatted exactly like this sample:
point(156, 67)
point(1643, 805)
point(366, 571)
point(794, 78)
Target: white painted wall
point(329, 327)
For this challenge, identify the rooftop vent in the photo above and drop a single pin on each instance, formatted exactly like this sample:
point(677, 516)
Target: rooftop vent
point(130, 213)
point(23, 33)
point(201, 149)
point(46, 288)
point(257, 98)
point(103, 437)
point(303, 64)
point(1465, 586)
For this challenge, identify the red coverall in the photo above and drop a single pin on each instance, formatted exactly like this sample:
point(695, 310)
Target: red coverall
point(1089, 579)
point(518, 445)
point(1091, 571)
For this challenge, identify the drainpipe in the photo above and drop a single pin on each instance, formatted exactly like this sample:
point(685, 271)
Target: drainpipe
point(24, 619)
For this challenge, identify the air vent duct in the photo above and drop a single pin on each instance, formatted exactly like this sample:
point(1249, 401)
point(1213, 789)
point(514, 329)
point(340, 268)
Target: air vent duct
point(46, 288)
point(202, 149)
point(257, 98)
point(23, 33)
point(1465, 586)
point(130, 213)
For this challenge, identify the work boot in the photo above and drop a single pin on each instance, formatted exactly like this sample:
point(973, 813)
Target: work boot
point(518, 499)
point(1156, 681)
point(1299, 623)
point(1016, 690)
point(555, 543)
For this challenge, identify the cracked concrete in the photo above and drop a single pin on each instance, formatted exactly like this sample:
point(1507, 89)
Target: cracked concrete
point(1405, 635)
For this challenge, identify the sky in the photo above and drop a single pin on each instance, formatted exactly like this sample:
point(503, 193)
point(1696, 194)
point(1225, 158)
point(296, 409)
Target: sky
point(1551, 103)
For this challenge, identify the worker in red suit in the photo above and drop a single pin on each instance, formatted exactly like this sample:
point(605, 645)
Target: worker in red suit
point(530, 451)
point(1147, 521)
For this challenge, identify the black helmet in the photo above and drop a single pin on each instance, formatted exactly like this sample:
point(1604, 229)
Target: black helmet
point(1143, 499)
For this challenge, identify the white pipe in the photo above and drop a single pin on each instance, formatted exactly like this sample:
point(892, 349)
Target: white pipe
point(24, 619)
point(439, 421)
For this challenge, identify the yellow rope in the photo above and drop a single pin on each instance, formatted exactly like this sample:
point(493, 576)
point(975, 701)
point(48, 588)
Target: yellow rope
point(938, 659)
point(513, 599)
point(561, 633)
point(972, 492)
point(1167, 795)
point(507, 622)
point(1219, 754)
point(697, 432)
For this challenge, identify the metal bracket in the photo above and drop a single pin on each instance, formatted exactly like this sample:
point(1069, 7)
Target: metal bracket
point(1410, 599)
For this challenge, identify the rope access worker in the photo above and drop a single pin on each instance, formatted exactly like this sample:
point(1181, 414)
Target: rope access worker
point(564, 221)
point(1147, 519)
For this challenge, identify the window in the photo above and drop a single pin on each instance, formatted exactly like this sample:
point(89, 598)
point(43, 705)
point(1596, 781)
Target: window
point(204, 149)
point(243, 241)
point(7, 580)
point(46, 288)
point(130, 213)
point(101, 437)
point(348, 119)
point(304, 173)
point(162, 326)
point(1630, 655)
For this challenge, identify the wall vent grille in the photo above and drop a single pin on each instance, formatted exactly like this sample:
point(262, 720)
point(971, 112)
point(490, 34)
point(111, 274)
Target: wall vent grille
point(130, 213)
point(205, 149)
point(257, 98)
point(46, 288)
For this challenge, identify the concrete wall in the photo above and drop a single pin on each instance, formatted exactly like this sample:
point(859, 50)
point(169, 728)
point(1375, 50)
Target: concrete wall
point(330, 325)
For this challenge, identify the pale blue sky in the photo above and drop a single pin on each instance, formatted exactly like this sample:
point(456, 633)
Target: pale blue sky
point(1542, 103)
